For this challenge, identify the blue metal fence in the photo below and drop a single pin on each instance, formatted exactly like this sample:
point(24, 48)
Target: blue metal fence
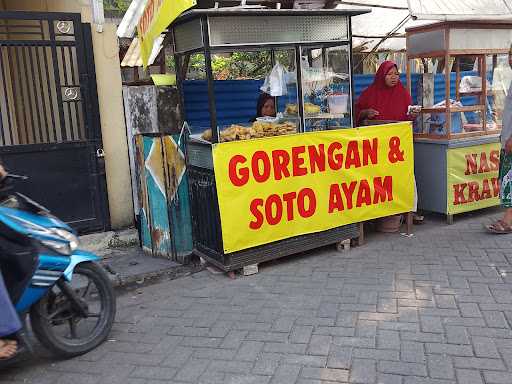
point(236, 99)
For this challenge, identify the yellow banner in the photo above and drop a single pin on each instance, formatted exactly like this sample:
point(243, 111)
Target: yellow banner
point(157, 16)
point(275, 188)
point(473, 178)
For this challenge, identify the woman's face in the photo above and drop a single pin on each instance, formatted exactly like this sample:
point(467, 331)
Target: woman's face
point(268, 108)
point(392, 77)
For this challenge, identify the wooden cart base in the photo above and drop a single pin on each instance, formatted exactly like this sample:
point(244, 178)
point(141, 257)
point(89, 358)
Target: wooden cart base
point(340, 236)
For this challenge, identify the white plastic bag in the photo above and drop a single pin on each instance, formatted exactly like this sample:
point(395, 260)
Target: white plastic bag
point(275, 82)
point(472, 84)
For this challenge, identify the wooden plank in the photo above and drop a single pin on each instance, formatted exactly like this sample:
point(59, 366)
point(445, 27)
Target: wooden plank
point(447, 81)
point(483, 96)
point(467, 108)
point(457, 78)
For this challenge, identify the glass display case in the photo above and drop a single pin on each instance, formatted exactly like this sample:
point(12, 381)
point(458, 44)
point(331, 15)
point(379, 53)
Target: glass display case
point(301, 58)
point(461, 89)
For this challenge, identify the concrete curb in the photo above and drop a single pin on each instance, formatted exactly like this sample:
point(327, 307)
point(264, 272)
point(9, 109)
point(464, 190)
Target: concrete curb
point(102, 243)
point(120, 280)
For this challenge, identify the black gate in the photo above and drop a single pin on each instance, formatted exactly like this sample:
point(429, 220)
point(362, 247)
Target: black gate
point(49, 115)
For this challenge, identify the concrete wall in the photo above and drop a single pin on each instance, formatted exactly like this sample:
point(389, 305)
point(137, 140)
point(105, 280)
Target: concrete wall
point(108, 75)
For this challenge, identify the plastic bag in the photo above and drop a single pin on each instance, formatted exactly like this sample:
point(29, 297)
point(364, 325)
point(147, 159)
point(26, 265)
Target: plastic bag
point(472, 84)
point(275, 82)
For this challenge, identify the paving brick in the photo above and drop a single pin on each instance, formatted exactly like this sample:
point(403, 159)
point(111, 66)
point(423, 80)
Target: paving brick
point(456, 335)
point(362, 342)
point(231, 366)
point(387, 305)
point(398, 326)
point(319, 345)
point(485, 347)
point(469, 310)
point(491, 377)
point(284, 348)
point(334, 331)
point(440, 367)
point(233, 339)
point(385, 378)
point(388, 339)
point(286, 374)
point(265, 366)
point(158, 373)
point(283, 324)
point(210, 342)
point(478, 363)
point(431, 324)
point(325, 374)
point(425, 380)
point(192, 370)
point(449, 349)
point(249, 351)
point(495, 319)
point(279, 337)
point(375, 354)
point(339, 357)
point(445, 301)
point(305, 360)
point(245, 378)
point(469, 376)
point(412, 352)
point(301, 334)
point(401, 368)
point(422, 337)
point(214, 353)
point(363, 371)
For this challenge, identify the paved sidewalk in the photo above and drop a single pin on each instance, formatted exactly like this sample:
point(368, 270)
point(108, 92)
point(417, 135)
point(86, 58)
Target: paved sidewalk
point(432, 309)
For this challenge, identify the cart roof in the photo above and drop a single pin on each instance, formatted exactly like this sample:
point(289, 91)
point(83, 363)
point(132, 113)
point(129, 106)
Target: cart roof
point(237, 11)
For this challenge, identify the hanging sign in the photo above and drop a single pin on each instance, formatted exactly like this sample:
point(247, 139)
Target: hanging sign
point(473, 178)
point(274, 188)
point(157, 16)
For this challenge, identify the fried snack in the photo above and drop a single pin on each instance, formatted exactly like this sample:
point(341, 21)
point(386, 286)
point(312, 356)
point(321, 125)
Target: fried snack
point(291, 109)
point(259, 129)
point(311, 109)
point(207, 135)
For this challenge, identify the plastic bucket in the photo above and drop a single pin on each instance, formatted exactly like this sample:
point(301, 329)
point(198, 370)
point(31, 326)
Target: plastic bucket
point(337, 103)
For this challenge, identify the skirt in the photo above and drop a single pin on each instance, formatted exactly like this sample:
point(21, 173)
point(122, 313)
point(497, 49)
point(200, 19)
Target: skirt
point(505, 176)
point(9, 320)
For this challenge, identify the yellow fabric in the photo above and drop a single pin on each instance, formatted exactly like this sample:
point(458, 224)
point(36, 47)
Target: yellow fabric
point(157, 16)
point(473, 178)
point(250, 195)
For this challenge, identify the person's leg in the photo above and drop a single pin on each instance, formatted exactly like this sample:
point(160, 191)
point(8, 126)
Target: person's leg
point(8, 348)
point(507, 217)
point(504, 225)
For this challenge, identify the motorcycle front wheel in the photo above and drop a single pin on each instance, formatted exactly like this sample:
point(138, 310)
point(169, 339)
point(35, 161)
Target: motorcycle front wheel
point(68, 330)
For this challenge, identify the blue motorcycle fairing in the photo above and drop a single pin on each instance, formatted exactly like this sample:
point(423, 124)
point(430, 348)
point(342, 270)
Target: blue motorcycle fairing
point(49, 270)
point(32, 225)
point(79, 256)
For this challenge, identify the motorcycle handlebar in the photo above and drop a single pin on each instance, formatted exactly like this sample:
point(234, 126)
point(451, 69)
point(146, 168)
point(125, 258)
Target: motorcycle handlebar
point(16, 177)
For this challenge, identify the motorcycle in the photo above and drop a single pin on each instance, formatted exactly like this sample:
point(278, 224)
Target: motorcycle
point(69, 297)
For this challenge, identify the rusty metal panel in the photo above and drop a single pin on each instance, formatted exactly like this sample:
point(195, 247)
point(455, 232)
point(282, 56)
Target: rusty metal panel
point(155, 186)
point(178, 197)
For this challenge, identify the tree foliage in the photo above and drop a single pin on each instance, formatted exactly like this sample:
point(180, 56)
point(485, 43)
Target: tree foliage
point(116, 5)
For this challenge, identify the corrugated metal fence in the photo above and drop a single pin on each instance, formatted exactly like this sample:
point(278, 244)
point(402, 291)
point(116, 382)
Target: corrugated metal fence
point(236, 99)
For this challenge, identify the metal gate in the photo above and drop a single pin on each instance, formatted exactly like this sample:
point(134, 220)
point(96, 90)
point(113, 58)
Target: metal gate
point(49, 115)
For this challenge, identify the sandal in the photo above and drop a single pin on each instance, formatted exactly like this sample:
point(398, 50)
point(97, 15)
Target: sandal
point(499, 227)
point(8, 349)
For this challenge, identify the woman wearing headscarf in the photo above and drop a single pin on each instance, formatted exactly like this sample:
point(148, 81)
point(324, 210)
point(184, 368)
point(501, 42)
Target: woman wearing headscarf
point(386, 99)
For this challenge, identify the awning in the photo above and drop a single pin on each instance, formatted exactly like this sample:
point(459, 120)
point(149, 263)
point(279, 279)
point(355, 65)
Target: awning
point(385, 25)
point(133, 58)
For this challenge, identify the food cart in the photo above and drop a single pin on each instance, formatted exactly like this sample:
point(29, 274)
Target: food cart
point(315, 48)
point(456, 140)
